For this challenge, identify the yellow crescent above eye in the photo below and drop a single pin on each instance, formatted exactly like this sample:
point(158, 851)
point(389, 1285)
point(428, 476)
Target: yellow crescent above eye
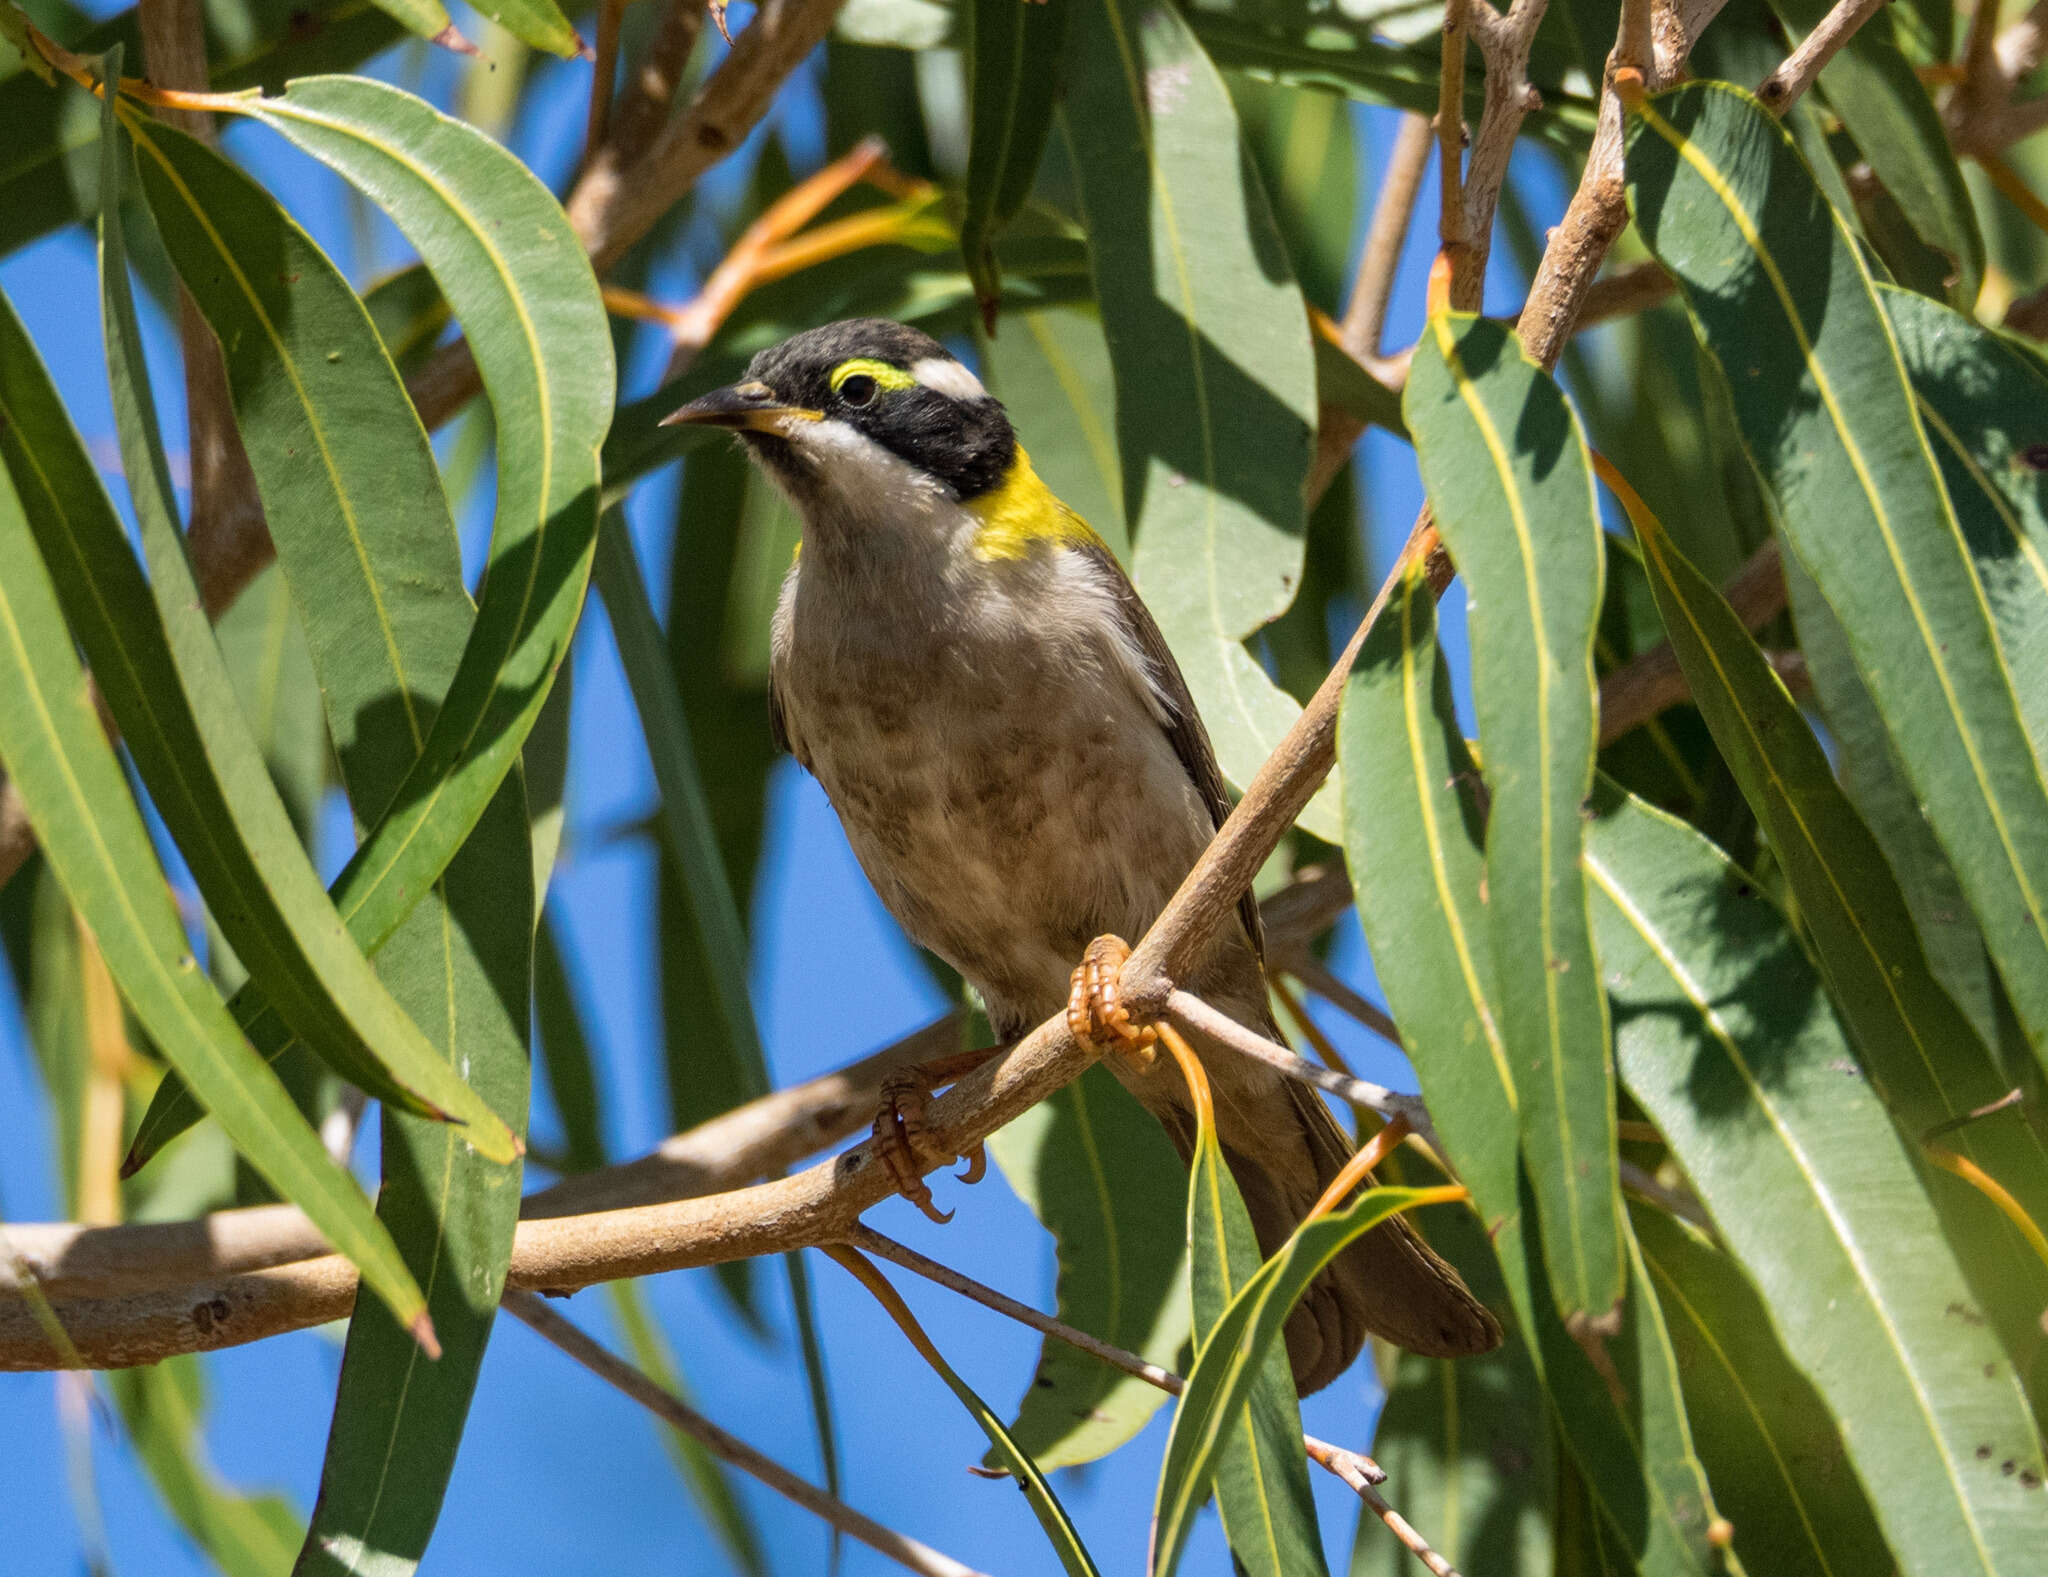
point(885, 376)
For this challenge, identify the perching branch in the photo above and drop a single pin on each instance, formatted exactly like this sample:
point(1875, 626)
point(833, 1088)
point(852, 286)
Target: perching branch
point(670, 1408)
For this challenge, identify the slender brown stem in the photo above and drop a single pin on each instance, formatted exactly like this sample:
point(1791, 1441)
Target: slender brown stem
point(533, 1311)
point(1199, 1018)
point(1317, 976)
point(1450, 132)
point(1782, 87)
point(1365, 319)
point(866, 1238)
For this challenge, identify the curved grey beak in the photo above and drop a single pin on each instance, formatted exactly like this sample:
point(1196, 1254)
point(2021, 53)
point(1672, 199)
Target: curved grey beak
point(745, 407)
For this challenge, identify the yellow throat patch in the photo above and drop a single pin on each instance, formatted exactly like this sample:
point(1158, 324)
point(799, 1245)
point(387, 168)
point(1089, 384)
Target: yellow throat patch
point(1021, 513)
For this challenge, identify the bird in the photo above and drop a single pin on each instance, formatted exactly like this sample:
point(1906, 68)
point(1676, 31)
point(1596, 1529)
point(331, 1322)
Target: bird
point(960, 661)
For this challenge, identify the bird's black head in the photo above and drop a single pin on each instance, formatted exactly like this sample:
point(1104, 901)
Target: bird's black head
point(803, 401)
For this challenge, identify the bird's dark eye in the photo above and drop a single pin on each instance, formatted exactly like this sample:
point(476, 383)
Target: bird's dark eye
point(858, 390)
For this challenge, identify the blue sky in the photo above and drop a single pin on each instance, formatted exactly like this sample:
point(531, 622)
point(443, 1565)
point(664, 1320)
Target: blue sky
point(558, 1473)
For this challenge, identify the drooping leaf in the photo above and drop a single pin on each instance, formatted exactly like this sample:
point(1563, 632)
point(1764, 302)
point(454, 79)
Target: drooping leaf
point(1215, 380)
point(691, 843)
point(1013, 81)
point(1235, 1355)
point(1985, 407)
point(1507, 474)
point(91, 832)
point(1623, 1423)
point(707, 1478)
point(1467, 1443)
point(536, 22)
point(517, 279)
point(1254, 1461)
point(1725, 1038)
point(1781, 299)
point(1924, 1059)
point(1102, 1178)
point(1414, 842)
point(157, 663)
point(1768, 1441)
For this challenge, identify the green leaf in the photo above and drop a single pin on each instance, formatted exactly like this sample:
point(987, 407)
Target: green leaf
point(156, 661)
point(1985, 408)
point(1307, 160)
point(1626, 1428)
point(1414, 845)
point(1766, 1438)
point(1052, 369)
point(1101, 1176)
point(92, 834)
point(684, 819)
point(1726, 1040)
point(1467, 1442)
point(1506, 470)
point(1780, 297)
point(517, 279)
point(1208, 336)
point(1255, 1464)
point(1013, 72)
point(1924, 1059)
point(1883, 104)
point(1234, 1360)
point(163, 1408)
point(459, 961)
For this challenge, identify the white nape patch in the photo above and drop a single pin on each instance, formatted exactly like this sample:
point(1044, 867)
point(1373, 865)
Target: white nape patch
point(948, 377)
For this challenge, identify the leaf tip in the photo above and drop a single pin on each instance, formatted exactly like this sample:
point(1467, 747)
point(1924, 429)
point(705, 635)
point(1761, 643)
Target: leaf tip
point(450, 37)
point(421, 1325)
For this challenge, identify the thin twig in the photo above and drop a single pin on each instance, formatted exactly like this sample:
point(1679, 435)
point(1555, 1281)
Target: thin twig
point(1299, 1015)
point(1650, 685)
point(1450, 132)
point(1684, 1206)
point(1312, 972)
point(532, 1310)
point(1197, 1017)
point(865, 1237)
point(1504, 42)
point(1365, 318)
point(1783, 86)
point(1652, 681)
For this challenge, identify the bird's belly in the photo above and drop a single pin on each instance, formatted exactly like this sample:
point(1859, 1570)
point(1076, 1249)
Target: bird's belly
point(1005, 838)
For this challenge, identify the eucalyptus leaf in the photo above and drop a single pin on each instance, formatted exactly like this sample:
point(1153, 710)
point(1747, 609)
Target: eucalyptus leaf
point(1208, 338)
point(1781, 298)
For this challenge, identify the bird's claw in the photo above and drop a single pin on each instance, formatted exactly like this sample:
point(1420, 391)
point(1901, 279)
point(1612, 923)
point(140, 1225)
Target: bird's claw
point(906, 1144)
point(1096, 1015)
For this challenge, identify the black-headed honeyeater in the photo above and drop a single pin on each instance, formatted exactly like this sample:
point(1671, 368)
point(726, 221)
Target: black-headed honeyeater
point(1018, 764)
